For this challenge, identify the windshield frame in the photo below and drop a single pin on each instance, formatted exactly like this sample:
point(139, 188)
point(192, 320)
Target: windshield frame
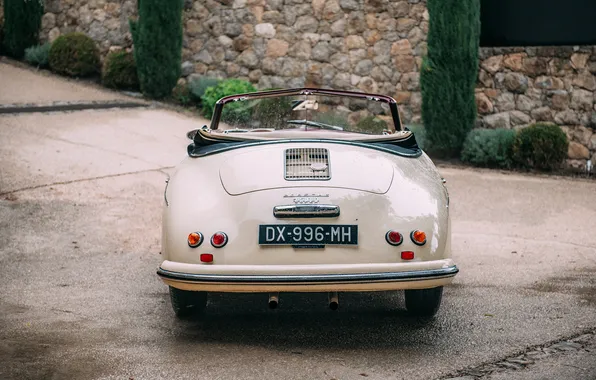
point(397, 125)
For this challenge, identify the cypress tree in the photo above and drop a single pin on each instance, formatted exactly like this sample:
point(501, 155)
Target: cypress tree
point(157, 40)
point(22, 20)
point(449, 72)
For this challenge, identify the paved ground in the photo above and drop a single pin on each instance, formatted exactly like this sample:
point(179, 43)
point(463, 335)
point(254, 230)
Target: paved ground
point(80, 203)
point(27, 86)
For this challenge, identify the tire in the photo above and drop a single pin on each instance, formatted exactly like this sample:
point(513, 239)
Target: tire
point(186, 303)
point(424, 302)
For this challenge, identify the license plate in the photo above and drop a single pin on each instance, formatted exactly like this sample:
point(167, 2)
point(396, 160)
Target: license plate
point(308, 234)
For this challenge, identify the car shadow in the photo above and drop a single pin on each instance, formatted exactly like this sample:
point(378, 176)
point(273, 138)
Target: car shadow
point(304, 321)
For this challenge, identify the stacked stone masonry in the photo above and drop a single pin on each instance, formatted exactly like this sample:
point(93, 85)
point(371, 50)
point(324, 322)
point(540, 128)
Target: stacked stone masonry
point(367, 45)
point(520, 86)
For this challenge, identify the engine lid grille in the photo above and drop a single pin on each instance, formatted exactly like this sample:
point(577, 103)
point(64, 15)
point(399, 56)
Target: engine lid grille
point(307, 164)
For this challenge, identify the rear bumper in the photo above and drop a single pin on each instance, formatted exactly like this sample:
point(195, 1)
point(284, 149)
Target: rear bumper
point(315, 278)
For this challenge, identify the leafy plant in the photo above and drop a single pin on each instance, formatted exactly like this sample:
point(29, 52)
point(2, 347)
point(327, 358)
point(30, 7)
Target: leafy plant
point(74, 54)
point(38, 55)
point(120, 71)
point(197, 87)
point(157, 37)
point(419, 133)
point(489, 147)
point(540, 146)
point(448, 74)
point(22, 19)
point(235, 112)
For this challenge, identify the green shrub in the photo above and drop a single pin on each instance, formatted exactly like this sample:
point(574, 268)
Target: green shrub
point(38, 55)
point(448, 74)
point(419, 133)
point(540, 146)
point(22, 19)
point(74, 54)
point(371, 124)
point(181, 94)
point(197, 87)
point(489, 147)
point(120, 71)
point(157, 37)
point(235, 112)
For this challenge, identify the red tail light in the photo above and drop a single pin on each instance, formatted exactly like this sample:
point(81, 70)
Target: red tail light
point(206, 258)
point(407, 255)
point(195, 239)
point(394, 237)
point(219, 239)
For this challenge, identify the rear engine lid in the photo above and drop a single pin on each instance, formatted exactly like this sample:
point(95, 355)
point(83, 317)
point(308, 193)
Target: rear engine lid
point(297, 166)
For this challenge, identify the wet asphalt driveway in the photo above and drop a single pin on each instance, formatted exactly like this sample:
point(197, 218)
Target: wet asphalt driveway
point(80, 207)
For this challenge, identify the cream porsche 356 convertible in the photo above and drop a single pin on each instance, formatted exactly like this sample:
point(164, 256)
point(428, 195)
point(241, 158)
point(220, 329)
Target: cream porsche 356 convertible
point(306, 190)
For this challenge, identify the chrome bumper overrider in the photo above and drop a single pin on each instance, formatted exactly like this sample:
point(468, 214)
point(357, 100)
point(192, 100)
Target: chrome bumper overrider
point(429, 274)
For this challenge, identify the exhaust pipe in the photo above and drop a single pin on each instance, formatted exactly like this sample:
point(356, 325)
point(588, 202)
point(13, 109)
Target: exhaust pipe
point(333, 300)
point(273, 300)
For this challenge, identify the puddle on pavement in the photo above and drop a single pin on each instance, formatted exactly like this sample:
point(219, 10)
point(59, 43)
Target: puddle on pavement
point(581, 283)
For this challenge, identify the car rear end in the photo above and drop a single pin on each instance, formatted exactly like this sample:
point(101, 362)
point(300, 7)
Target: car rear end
point(306, 217)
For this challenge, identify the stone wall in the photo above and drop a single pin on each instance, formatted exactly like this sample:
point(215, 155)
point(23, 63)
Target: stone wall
point(519, 86)
point(368, 45)
point(371, 45)
point(104, 21)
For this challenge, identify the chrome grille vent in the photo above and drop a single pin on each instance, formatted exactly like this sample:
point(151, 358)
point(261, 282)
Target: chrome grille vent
point(307, 164)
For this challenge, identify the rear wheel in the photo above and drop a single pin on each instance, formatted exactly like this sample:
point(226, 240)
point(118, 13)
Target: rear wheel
point(186, 303)
point(424, 302)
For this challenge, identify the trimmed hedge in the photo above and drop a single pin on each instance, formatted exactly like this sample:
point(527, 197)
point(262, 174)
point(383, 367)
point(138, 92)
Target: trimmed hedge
point(157, 37)
point(22, 20)
point(540, 146)
point(74, 54)
point(38, 55)
point(234, 112)
point(120, 71)
point(489, 147)
point(448, 74)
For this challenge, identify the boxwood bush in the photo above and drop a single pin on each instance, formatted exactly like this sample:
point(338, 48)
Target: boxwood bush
point(540, 146)
point(489, 147)
point(120, 71)
point(74, 54)
point(38, 55)
point(235, 112)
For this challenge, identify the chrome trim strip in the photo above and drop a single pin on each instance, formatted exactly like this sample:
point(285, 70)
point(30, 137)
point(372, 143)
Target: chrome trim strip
point(306, 211)
point(315, 278)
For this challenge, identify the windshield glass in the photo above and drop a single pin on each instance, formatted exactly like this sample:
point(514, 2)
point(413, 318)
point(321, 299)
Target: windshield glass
point(310, 112)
